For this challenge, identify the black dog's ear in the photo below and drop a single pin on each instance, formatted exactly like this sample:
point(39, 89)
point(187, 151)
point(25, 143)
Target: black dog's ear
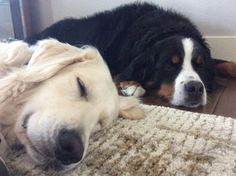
point(140, 69)
point(225, 68)
point(221, 68)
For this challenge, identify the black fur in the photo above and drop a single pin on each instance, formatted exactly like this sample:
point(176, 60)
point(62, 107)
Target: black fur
point(137, 41)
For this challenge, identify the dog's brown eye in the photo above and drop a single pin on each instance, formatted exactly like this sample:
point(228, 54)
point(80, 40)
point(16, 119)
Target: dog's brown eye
point(175, 60)
point(82, 88)
point(199, 60)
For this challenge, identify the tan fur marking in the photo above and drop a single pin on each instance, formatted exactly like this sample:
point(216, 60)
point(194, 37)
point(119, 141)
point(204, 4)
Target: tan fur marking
point(166, 91)
point(199, 60)
point(175, 59)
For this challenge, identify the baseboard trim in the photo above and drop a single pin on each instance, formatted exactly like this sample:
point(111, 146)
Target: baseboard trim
point(222, 47)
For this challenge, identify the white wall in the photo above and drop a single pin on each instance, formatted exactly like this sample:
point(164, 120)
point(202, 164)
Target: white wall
point(41, 14)
point(214, 18)
point(6, 27)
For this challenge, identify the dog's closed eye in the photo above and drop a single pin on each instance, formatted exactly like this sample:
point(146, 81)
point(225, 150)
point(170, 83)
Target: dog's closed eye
point(82, 88)
point(26, 119)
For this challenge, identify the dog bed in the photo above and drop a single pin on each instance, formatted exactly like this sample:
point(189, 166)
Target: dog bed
point(166, 142)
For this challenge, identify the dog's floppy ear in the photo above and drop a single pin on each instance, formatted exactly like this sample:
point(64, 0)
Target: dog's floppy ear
point(130, 109)
point(51, 50)
point(225, 68)
point(14, 54)
point(49, 57)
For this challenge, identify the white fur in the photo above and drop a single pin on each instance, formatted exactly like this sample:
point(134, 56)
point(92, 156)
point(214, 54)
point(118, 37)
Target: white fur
point(186, 74)
point(133, 90)
point(48, 91)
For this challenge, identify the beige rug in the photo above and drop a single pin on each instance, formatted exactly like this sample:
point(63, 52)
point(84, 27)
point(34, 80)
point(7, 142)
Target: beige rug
point(166, 142)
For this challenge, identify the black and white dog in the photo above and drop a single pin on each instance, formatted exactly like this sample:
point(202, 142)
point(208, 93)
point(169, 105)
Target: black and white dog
point(160, 49)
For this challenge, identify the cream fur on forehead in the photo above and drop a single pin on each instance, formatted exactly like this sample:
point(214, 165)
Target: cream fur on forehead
point(49, 57)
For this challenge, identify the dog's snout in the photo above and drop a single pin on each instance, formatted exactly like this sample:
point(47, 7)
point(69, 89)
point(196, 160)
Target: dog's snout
point(70, 148)
point(194, 88)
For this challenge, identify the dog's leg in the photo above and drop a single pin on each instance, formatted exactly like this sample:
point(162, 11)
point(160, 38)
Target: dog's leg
point(131, 88)
point(225, 68)
point(3, 168)
point(14, 54)
point(3, 145)
point(130, 109)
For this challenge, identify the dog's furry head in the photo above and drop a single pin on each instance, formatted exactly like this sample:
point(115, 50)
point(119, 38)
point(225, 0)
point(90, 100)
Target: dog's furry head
point(56, 101)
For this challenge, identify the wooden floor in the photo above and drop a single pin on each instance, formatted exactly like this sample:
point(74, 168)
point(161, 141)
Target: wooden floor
point(221, 102)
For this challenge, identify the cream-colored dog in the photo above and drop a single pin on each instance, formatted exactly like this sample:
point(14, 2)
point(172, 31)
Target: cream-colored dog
point(57, 101)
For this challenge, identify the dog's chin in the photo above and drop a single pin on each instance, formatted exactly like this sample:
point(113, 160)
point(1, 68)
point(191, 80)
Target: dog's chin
point(193, 104)
point(48, 162)
point(189, 104)
point(56, 165)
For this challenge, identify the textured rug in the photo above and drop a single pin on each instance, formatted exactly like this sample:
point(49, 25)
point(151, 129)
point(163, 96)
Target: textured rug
point(166, 142)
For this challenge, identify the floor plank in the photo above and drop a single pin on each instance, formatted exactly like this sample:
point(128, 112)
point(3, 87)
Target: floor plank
point(226, 105)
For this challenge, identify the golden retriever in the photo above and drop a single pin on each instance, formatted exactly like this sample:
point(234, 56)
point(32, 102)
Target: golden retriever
point(57, 100)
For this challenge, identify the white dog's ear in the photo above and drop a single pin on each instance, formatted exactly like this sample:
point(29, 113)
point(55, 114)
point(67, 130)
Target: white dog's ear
point(14, 54)
point(52, 51)
point(130, 109)
point(49, 57)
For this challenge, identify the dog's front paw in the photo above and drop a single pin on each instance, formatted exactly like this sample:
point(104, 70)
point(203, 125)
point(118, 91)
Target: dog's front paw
point(130, 109)
point(131, 88)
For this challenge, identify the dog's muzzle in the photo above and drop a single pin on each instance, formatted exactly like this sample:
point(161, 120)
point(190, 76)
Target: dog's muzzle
point(189, 92)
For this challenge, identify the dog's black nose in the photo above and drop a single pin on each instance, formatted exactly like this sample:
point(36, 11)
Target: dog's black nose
point(70, 148)
point(194, 89)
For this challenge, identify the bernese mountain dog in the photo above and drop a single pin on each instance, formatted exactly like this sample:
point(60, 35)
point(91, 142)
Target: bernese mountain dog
point(159, 49)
